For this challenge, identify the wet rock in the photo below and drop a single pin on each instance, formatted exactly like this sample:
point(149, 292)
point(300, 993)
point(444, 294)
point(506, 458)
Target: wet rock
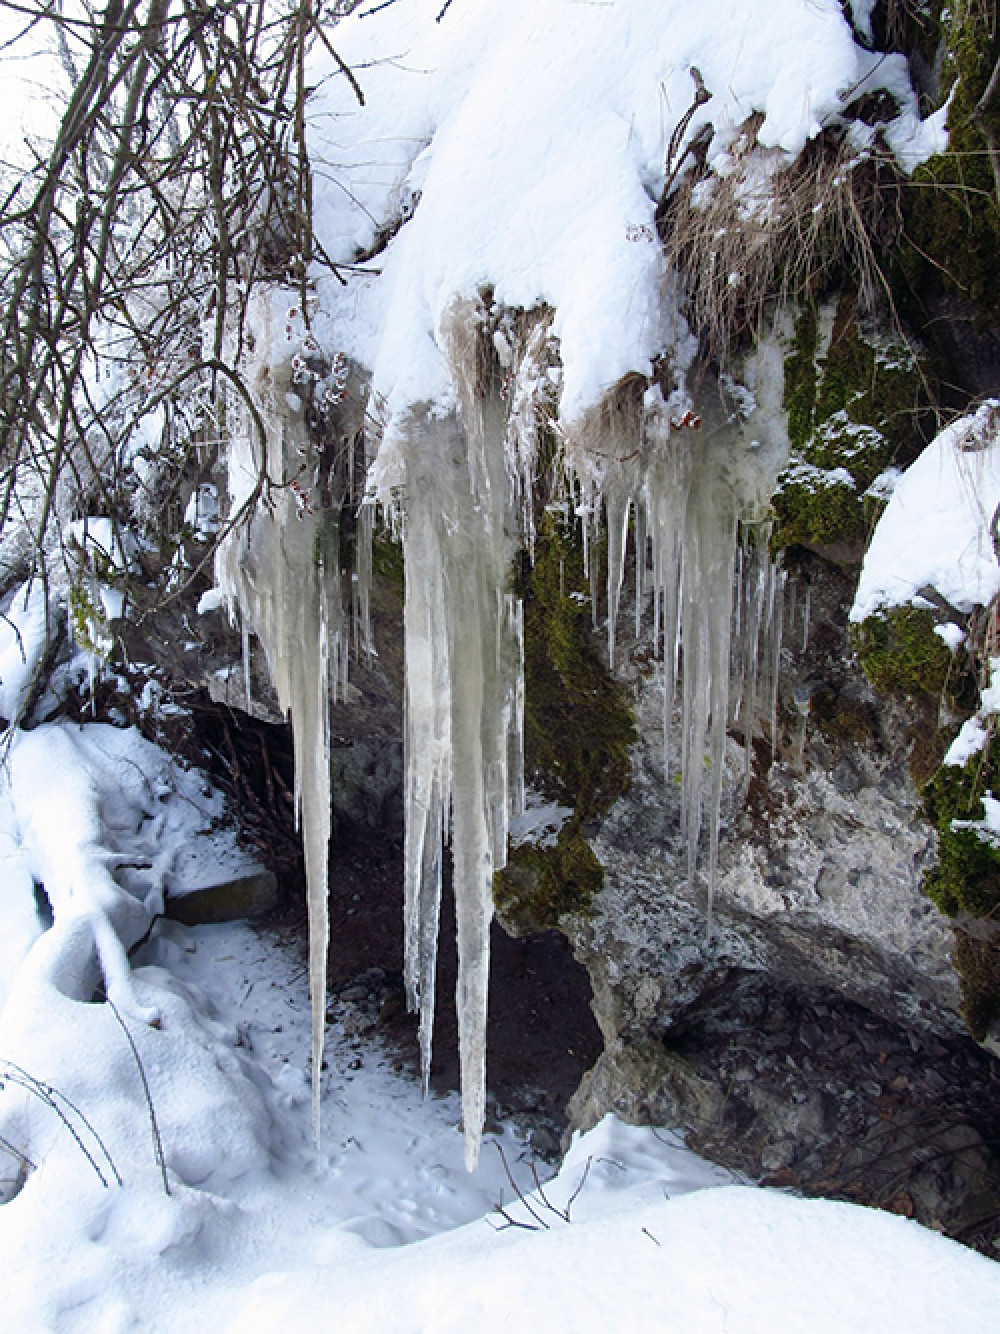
point(251, 894)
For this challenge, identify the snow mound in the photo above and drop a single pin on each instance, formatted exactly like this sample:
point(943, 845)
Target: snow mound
point(257, 1228)
point(638, 1252)
point(936, 529)
point(524, 147)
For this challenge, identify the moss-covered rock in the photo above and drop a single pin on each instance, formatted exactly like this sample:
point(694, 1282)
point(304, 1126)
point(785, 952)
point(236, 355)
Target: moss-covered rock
point(539, 884)
point(578, 730)
point(801, 378)
point(951, 236)
point(387, 561)
point(853, 400)
point(966, 881)
point(967, 877)
point(819, 508)
point(900, 653)
point(578, 727)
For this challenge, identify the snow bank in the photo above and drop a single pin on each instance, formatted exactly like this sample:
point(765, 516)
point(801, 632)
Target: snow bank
point(257, 1228)
point(524, 147)
point(632, 1257)
point(935, 532)
point(94, 817)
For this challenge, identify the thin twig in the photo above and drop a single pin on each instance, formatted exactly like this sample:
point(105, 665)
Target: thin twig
point(157, 1141)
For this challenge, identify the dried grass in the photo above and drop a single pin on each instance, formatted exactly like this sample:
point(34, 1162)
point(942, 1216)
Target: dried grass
point(770, 231)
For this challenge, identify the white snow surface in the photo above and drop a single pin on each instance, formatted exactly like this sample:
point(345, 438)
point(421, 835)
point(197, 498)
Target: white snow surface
point(523, 146)
point(935, 531)
point(24, 638)
point(383, 1229)
point(976, 731)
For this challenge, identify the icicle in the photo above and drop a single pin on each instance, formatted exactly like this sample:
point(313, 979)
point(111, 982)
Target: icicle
point(778, 621)
point(709, 561)
point(245, 659)
point(362, 585)
point(640, 564)
point(667, 500)
point(806, 614)
point(618, 507)
point(464, 691)
point(468, 479)
point(751, 630)
point(283, 572)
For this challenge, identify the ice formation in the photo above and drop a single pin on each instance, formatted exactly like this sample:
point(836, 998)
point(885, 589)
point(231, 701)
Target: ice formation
point(281, 574)
point(464, 677)
point(694, 488)
point(520, 283)
point(698, 486)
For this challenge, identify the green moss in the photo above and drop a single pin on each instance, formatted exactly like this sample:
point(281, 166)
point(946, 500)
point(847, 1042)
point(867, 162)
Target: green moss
point(577, 725)
point(89, 621)
point(801, 377)
point(387, 561)
point(951, 214)
point(578, 730)
point(967, 877)
point(868, 401)
point(851, 413)
point(900, 653)
point(966, 880)
point(539, 884)
point(816, 510)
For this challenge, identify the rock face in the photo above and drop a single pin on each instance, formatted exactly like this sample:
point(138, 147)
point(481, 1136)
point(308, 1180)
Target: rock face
point(819, 886)
point(815, 1036)
point(821, 861)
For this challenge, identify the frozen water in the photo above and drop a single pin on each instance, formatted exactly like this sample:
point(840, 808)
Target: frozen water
point(464, 690)
point(281, 574)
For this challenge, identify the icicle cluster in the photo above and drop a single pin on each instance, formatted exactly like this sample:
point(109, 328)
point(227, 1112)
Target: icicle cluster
point(280, 572)
point(692, 486)
point(464, 690)
point(695, 487)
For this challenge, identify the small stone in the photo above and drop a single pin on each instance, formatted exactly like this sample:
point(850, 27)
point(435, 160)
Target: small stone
point(247, 895)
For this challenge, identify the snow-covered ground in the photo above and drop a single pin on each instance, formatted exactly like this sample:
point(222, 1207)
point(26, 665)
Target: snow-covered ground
point(380, 1227)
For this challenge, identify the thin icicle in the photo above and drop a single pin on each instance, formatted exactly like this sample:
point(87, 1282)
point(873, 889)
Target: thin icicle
point(641, 543)
point(282, 572)
point(618, 507)
point(245, 660)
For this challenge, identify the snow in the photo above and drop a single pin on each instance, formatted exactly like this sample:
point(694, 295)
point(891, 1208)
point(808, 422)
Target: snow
point(987, 830)
point(935, 531)
point(972, 738)
point(544, 201)
point(24, 638)
point(383, 1225)
point(953, 635)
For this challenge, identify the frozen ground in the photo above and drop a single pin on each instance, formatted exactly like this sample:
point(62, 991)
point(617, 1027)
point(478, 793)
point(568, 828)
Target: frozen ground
point(381, 1228)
